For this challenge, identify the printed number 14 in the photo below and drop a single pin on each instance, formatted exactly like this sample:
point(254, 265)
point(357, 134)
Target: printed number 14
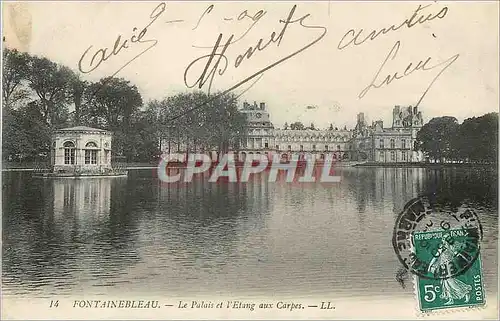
point(54, 304)
point(430, 292)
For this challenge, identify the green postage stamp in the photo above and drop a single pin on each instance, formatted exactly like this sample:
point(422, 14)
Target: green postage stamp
point(450, 269)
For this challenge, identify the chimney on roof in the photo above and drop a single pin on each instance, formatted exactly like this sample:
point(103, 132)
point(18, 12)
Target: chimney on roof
point(263, 106)
point(361, 117)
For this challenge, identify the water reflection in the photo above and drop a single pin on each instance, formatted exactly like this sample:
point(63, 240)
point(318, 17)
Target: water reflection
point(78, 203)
point(135, 234)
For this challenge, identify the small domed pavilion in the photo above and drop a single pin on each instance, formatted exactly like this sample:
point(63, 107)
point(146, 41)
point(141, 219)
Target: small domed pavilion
point(82, 151)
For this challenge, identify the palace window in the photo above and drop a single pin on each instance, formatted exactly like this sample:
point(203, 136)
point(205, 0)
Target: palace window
point(381, 143)
point(314, 147)
point(277, 147)
point(91, 154)
point(393, 156)
point(381, 155)
point(289, 147)
point(69, 153)
point(338, 147)
point(403, 143)
point(266, 145)
point(403, 156)
point(393, 145)
point(326, 147)
point(301, 148)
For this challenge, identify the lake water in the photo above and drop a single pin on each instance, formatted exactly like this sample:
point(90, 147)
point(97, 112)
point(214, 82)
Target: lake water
point(135, 235)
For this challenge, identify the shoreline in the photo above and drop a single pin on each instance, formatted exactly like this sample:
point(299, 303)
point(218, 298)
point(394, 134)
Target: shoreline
point(138, 166)
point(426, 165)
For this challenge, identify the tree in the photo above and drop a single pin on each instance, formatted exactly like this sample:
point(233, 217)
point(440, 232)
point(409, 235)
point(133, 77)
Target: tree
point(35, 93)
point(16, 141)
point(110, 103)
point(77, 90)
point(437, 137)
point(52, 84)
point(331, 127)
point(297, 126)
point(312, 127)
point(477, 139)
point(216, 125)
point(224, 121)
point(14, 74)
point(285, 127)
point(142, 137)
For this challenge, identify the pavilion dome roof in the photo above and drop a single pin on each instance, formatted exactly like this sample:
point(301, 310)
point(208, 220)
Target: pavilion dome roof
point(82, 128)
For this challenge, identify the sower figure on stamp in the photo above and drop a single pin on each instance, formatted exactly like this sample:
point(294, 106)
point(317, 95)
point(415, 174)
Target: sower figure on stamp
point(452, 288)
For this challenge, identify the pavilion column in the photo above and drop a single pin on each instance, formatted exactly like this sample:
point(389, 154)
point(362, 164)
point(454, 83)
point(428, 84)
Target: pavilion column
point(77, 151)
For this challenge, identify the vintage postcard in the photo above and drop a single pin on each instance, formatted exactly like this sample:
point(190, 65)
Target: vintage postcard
point(249, 160)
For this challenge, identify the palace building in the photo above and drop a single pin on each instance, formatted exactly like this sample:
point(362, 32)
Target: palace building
point(370, 143)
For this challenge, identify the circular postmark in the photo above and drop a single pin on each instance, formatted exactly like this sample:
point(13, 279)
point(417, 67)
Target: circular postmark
point(437, 237)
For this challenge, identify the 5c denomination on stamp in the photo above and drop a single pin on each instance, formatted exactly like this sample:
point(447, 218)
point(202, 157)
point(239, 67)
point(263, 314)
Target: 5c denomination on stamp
point(437, 238)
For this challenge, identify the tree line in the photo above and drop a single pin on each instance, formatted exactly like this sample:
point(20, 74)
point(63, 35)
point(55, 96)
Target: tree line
point(475, 140)
point(40, 95)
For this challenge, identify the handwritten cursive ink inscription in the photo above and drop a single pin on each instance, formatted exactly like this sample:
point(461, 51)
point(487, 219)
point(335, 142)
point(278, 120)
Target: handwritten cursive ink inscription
point(410, 68)
point(103, 54)
point(209, 71)
point(221, 62)
point(356, 37)
point(207, 75)
point(207, 11)
point(243, 15)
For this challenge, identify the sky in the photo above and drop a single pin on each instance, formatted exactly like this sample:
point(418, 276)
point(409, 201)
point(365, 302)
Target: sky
point(453, 57)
